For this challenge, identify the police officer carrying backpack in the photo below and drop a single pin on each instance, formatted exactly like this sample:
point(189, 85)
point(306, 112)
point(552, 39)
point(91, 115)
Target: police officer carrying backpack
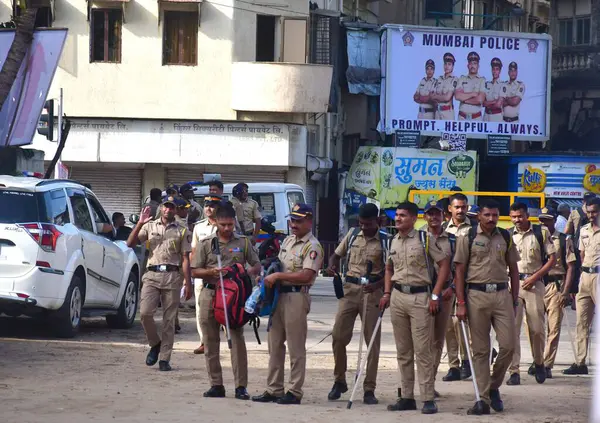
point(365, 248)
point(577, 220)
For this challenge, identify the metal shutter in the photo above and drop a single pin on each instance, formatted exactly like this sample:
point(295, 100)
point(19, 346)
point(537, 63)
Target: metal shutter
point(181, 176)
point(119, 190)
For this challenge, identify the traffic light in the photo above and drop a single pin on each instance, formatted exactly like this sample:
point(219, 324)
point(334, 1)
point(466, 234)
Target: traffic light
point(46, 123)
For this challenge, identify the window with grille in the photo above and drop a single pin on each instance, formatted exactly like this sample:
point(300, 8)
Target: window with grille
point(320, 39)
point(105, 35)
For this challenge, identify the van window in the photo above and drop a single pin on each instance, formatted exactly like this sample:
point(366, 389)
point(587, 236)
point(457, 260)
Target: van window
point(57, 211)
point(294, 197)
point(266, 204)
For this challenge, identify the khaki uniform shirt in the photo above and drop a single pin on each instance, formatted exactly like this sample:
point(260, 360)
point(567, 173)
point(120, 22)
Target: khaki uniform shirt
point(167, 244)
point(462, 227)
point(195, 206)
point(407, 255)
point(202, 229)
point(513, 89)
point(181, 221)
point(443, 241)
point(470, 84)
point(247, 212)
point(529, 249)
point(573, 222)
point(494, 90)
point(426, 86)
point(559, 267)
point(487, 262)
point(589, 245)
point(362, 250)
point(237, 250)
point(444, 85)
point(301, 253)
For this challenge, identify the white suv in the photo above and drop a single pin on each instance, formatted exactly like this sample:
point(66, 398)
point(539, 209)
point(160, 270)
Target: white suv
point(54, 260)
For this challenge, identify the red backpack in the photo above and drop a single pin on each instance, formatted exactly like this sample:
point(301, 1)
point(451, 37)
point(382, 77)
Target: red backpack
point(238, 287)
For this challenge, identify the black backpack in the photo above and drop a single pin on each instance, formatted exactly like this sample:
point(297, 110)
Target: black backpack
point(539, 235)
point(384, 239)
point(583, 220)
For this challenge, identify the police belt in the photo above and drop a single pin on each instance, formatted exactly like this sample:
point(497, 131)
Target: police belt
point(488, 287)
point(410, 289)
point(475, 115)
point(511, 119)
point(595, 269)
point(358, 281)
point(286, 289)
point(426, 110)
point(164, 268)
point(523, 276)
point(445, 108)
point(491, 111)
point(553, 278)
point(209, 286)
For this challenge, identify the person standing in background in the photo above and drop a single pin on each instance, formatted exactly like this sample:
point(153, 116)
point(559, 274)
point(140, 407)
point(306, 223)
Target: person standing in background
point(563, 215)
point(246, 211)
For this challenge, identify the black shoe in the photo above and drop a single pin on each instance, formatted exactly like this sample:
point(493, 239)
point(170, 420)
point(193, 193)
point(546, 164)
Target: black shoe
point(514, 379)
point(479, 409)
point(164, 366)
point(465, 371)
point(265, 397)
point(548, 373)
point(289, 399)
point(403, 405)
point(531, 370)
point(453, 375)
point(496, 401)
point(241, 393)
point(494, 355)
point(177, 328)
point(436, 394)
point(576, 369)
point(152, 356)
point(336, 392)
point(429, 407)
point(217, 391)
point(369, 398)
point(540, 373)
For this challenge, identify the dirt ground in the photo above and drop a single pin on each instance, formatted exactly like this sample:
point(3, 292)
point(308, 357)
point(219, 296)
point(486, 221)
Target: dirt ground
point(100, 376)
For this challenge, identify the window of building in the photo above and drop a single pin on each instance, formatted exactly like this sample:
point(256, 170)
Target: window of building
point(439, 9)
point(265, 38)
point(180, 38)
point(574, 31)
point(105, 43)
point(320, 39)
point(43, 18)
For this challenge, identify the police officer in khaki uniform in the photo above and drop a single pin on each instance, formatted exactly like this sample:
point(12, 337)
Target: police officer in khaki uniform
point(532, 271)
point(558, 285)
point(203, 229)
point(301, 257)
point(433, 213)
point(471, 90)
point(196, 211)
point(444, 90)
point(170, 245)
point(423, 94)
point(589, 248)
point(494, 94)
point(246, 210)
point(480, 279)
point(575, 222)
point(367, 246)
point(414, 303)
point(455, 343)
point(515, 90)
point(234, 248)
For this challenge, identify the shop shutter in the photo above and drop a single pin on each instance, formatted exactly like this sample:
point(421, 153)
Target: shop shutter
point(119, 190)
point(181, 176)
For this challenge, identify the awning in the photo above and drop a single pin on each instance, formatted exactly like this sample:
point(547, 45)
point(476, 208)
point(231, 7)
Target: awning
point(161, 2)
point(117, 3)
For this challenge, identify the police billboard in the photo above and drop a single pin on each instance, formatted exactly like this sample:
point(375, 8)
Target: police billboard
point(441, 80)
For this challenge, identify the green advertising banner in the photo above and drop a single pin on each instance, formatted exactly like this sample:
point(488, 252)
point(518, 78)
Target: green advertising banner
point(387, 173)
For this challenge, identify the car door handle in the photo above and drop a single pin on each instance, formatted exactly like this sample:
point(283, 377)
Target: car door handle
point(103, 255)
point(82, 250)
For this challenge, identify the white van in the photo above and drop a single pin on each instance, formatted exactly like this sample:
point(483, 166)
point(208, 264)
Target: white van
point(275, 199)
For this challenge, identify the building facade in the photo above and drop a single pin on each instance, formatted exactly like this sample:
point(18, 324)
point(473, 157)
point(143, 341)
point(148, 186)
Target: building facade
point(163, 92)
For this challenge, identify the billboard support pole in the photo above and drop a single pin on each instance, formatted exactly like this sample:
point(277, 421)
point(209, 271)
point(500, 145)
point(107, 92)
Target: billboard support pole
point(59, 132)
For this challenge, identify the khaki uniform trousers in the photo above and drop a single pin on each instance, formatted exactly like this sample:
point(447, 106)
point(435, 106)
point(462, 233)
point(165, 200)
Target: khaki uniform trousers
point(484, 311)
point(555, 315)
point(289, 324)
point(586, 302)
point(169, 300)
point(349, 307)
point(197, 295)
point(211, 333)
point(413, 333)
point(531, 304)
point(455, 342)
point(440, 325)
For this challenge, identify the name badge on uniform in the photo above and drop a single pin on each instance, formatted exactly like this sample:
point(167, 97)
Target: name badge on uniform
point(235, 250)
point(480, 244)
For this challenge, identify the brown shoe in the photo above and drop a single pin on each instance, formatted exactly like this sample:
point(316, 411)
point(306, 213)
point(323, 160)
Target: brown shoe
point(199, 350)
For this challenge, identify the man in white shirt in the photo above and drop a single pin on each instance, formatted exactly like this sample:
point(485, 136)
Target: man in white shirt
point(563, 214)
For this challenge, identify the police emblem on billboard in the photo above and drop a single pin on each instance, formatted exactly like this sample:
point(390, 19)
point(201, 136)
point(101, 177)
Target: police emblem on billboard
point(408, 39)
point(533, 46)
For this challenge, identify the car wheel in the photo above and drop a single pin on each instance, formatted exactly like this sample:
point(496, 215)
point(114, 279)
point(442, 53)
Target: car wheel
point(68, 318)
point(129, 303)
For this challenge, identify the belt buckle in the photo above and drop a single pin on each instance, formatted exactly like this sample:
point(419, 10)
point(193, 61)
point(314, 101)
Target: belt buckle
point(363, 281)
point(491, 288)
point(162, 268)
point(405, 289)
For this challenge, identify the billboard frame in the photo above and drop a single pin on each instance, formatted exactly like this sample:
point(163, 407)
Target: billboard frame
point(385, 50)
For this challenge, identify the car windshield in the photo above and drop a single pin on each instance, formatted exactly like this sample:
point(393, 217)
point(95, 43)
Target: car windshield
point(18, 206)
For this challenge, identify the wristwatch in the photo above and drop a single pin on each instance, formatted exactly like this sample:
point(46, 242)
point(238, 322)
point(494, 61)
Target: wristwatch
point(434, 297)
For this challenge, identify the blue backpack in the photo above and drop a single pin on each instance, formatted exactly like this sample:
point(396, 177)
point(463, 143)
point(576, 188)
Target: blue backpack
point(269, 296)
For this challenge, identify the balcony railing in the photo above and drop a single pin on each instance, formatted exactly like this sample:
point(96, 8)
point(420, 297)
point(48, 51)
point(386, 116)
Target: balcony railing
point(569, 60)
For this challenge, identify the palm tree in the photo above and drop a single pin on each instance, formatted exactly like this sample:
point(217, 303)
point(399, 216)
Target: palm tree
point(23, 38)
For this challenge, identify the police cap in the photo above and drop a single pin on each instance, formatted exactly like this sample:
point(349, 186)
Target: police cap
point(429, 63)
point(513, 65)
point(496, 62)
point(473, 56)
point(449, 57)
point(433, 205)
point(548, 213)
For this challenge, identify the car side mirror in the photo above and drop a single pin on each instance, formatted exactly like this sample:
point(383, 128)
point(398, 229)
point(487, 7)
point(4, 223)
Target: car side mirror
point(134, 218)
